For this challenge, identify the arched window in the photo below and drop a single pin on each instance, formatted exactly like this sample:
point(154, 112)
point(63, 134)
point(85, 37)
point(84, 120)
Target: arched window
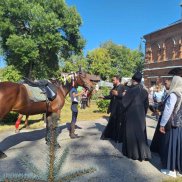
point(169, 45)
point(155, 51)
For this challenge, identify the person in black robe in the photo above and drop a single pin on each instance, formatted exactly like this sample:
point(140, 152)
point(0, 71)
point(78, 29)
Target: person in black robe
point(135, 104)
point(112, 130)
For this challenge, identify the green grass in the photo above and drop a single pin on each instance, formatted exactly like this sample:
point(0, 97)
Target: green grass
point(35, 121)
point(173, 180)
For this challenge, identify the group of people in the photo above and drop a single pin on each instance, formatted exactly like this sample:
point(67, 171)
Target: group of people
point(127, 122)
point(157, 95)
point(128, 108)
point(167, 140)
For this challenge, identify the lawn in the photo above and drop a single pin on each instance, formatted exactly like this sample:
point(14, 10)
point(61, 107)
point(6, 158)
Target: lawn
point(89, 114)
point(173, 180)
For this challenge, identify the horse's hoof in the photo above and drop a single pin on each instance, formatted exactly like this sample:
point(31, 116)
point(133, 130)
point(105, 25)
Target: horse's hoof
point(2, 155)
point(17, 131)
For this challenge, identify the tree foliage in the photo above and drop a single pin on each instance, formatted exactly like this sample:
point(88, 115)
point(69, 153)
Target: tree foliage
point(10, 74)
point(72, 63)
point(107, 60)
point(36, 32)
point(100, 63)
point(125, 60)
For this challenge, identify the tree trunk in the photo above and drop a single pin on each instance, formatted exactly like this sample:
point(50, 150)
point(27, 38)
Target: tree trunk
point(30, 71)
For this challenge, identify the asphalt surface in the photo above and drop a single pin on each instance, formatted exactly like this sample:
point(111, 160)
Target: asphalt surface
point(85, 152)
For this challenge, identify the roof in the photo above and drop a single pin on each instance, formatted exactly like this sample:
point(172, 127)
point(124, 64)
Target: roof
point(170, 25)
point(93, 77)
point(105, 84)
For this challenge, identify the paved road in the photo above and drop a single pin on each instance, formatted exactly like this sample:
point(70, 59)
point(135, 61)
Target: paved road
point(87, 151)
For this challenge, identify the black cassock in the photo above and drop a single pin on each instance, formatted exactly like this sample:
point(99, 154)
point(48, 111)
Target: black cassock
point(113, 129)
point(135, 105)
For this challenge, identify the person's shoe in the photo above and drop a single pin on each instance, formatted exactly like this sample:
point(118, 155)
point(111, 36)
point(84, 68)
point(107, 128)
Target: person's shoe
point(169, 173)
point(72, 131)
point(77, 127)
point(178, 174)
point(73, 136)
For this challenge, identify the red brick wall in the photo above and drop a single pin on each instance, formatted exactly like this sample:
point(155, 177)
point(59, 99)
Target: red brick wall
point(163, 49)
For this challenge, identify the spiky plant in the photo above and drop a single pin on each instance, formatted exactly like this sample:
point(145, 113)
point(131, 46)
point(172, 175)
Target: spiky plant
point(53, 168)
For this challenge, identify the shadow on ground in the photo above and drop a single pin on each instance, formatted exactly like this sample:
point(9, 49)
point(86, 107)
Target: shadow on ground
point(15, 139)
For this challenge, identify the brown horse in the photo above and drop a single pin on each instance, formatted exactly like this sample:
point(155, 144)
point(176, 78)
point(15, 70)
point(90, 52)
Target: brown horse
point(14, 97)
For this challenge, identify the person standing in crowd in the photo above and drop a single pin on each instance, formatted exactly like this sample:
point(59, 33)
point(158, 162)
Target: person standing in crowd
point(151, 99)
point(135, 104)
point(112, 129)
point(158, 97)
point(74, 108)
point(84, 99)
point(157, 138)
point(171, 144)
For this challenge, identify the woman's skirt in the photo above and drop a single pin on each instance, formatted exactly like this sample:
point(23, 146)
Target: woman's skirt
point(171, 150)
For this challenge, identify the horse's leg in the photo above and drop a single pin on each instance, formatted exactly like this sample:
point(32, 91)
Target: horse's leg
point(47, 120)
point(17, 124)
point(44, 119)
point(26, 122)
point(52, 130)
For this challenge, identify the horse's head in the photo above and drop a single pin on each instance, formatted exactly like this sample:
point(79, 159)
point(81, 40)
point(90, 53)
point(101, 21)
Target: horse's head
point(83, 80)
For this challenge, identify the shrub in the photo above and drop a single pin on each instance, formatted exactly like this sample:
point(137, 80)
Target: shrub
point(103, 104)
point(10, 118)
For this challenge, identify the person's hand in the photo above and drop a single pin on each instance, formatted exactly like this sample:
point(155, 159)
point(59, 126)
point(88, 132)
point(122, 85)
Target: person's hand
point(81, 93)
point(162, 129)
point(124, 93)
point(114, 92)
point(101, 97)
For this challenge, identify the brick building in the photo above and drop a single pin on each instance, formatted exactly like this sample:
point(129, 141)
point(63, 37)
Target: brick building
point(163, 52)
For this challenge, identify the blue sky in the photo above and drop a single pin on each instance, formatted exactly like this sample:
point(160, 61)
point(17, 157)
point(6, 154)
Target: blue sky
point(123, 22)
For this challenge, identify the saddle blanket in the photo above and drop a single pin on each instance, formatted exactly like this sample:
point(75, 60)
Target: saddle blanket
point(35, 94)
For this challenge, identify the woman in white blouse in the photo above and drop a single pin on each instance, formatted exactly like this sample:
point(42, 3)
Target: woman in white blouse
point(171, 148)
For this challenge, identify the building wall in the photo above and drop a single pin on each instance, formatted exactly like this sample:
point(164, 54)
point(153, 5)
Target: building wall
point(163, 51)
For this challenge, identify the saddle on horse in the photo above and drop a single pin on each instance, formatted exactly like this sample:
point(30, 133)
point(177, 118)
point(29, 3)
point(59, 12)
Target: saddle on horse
point(47, 88)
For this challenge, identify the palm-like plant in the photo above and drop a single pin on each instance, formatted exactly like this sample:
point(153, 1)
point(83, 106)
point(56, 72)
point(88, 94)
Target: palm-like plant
point(53, 167)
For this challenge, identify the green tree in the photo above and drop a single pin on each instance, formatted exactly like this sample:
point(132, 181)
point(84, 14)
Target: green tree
point(36, 32)
point(139, 58)
point(121, 58)
point(10, 74)
point(100, 63)
point(73, 63)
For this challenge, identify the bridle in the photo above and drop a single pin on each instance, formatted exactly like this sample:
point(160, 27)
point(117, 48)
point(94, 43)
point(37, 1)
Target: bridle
point(73, 77)
point(85, 83)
